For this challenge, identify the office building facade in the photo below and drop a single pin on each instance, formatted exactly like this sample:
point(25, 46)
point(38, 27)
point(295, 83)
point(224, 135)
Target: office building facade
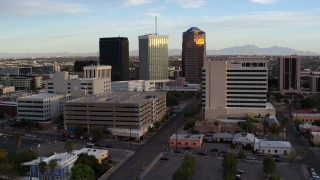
point(193, 54)
point(289, 74)
point(125, 114)
point(236, 88)
point(114, 51)
point(153, 57)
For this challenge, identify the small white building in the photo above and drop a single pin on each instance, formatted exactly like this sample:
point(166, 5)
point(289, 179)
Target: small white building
point(282, 148)
point(222, 137)
point(41, 107)
point(133, 85)
point(243, 139)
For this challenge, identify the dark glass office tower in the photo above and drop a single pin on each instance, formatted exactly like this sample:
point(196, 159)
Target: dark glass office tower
point(193, 54)
point(289, 74)
point(114, 51)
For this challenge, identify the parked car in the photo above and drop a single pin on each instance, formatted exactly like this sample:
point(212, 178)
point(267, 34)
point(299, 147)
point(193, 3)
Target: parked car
point(239, 171)
point(250, 158)
point(238, 177)
point(202, 153)
point(214, 150)
point(164, 158)
point(90, 143)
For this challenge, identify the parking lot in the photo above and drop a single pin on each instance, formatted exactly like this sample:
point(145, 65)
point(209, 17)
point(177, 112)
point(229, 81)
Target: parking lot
point(209, 167)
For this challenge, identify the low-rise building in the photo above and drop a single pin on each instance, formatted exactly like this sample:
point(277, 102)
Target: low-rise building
point(308, 127)
point(306, 118)
point(222, 137)
point(194, 141)
point(272, 120)
point(282, 148)
point(6, 89)
point(65, 162)
point(125, 114)
point(133, 85)
point(315, 138)
point(41, 107)
point(243, 140)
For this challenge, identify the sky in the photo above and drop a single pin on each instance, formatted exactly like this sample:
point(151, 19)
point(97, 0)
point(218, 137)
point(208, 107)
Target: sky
point(75, 26)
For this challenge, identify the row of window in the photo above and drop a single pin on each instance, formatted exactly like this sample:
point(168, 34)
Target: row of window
point(247, 102)
point(232, 92)
point(242, 88)
point(246, 79)
point(248, 84)
point(258, 75)
point(247, 106)
point(246, 97)
point(246, 70)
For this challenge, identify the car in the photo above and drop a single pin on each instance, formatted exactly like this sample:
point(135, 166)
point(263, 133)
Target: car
point(214, 150)
point(108, 146)
point(90, 144)
point(313, 174)
point(202, 153)
point(239, 171)
point(81, 137)
point(238, 177)
point(277, 159)
point(98, 146)
point(250, 158)
point(316, 177)
point(186, 152)
point(164, 158)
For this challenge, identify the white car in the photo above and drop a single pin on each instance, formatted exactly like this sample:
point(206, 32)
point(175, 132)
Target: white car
point(90, 143)
point(250, 158)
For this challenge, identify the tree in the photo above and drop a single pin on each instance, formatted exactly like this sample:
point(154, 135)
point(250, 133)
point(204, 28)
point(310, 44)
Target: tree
point(269, 165)
point(229, 165)
point(316, 123)
point(274, 177)
point(91, 161)
point(69, 146)
point(246, 125)
point(97, 133)
point(295, 154)
point(78, 130)
point(275, 129)
point(18, 137)
point(187, 170)
point(43, 167)
point(298, 122)
point(82, 172)
point(241, 154)
point(53, 164)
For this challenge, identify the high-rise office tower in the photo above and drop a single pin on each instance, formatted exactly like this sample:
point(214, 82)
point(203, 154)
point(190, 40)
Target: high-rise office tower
point(153, 57)
point(193, 54)
point(236, 88)
point(289, 74)
point(114, 52)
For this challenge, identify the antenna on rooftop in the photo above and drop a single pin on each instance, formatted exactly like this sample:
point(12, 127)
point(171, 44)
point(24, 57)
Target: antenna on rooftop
point(156, 25)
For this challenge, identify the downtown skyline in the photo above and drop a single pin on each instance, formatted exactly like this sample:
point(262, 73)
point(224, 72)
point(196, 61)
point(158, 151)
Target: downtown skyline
point(44, 26)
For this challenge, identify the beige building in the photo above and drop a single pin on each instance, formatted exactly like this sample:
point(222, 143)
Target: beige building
point(126, 114)
point(289, 74)
point(41, 107)
point(306, 118)
point(62, 83)
point(236, 88)
point(194, 141)
point(6, 89)
point(315, 138)
point(97, 71)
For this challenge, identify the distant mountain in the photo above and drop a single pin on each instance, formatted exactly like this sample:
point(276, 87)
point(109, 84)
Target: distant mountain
point(252, 49)
point(249, 49)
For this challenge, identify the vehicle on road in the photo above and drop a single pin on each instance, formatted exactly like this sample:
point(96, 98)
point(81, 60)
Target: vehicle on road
point(238, 177)
point(90, 143)
point(214, 150)
point(164, 158)
point(202, 153)
point(239, 171)
point(250, 158)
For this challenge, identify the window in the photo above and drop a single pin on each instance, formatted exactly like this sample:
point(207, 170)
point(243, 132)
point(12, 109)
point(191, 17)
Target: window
point(186, 143)
point(275, 151)
point(268, 150)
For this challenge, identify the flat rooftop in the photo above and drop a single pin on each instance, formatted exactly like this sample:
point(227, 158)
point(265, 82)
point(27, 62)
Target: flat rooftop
point(135, 97)
point(40, 96)
point(187, 136)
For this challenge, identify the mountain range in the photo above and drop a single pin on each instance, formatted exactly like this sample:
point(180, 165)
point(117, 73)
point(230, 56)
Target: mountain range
point(249, 49)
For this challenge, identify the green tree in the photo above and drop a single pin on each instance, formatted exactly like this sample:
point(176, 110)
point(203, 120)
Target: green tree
point(274, 177)
point(295, 154)
point(298, 122)
point(82, 172)
point(78, 130)
point(97, 133)
point(269, 165)
point(99, 169)
point(172, 100)
point(275, 129)
point(229, 166)
point(43, 167)
point(246, 125)
point(316, 123)
point(241, 154)
point(53, 164)
point(18, 137)
point(69, 146)
point(187, 170)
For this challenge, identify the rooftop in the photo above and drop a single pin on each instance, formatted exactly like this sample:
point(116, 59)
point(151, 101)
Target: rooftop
point(91, 151)
point(275, 144)
point(187, 136)
point(243, 137)
point(134, 97)
point(309, 115)
point(40, 96)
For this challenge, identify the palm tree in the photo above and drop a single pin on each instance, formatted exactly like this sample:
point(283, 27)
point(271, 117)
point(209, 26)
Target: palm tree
point(18, 138)
point(69, 146)
point(43, 167)
point(53, 164)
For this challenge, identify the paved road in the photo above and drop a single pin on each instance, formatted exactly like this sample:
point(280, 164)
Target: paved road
point(144, 155)
point(308, 156)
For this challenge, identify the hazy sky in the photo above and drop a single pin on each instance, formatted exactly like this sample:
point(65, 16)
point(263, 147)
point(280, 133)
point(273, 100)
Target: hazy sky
point(77, 25)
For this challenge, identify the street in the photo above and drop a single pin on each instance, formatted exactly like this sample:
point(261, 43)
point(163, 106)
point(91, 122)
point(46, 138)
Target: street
point(144, 155)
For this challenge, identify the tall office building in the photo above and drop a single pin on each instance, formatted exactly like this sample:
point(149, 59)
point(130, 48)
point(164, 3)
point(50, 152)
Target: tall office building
point(193, 54)
point(114, 51)
point(153, 57)
point(289, 74)
point(236, 88)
